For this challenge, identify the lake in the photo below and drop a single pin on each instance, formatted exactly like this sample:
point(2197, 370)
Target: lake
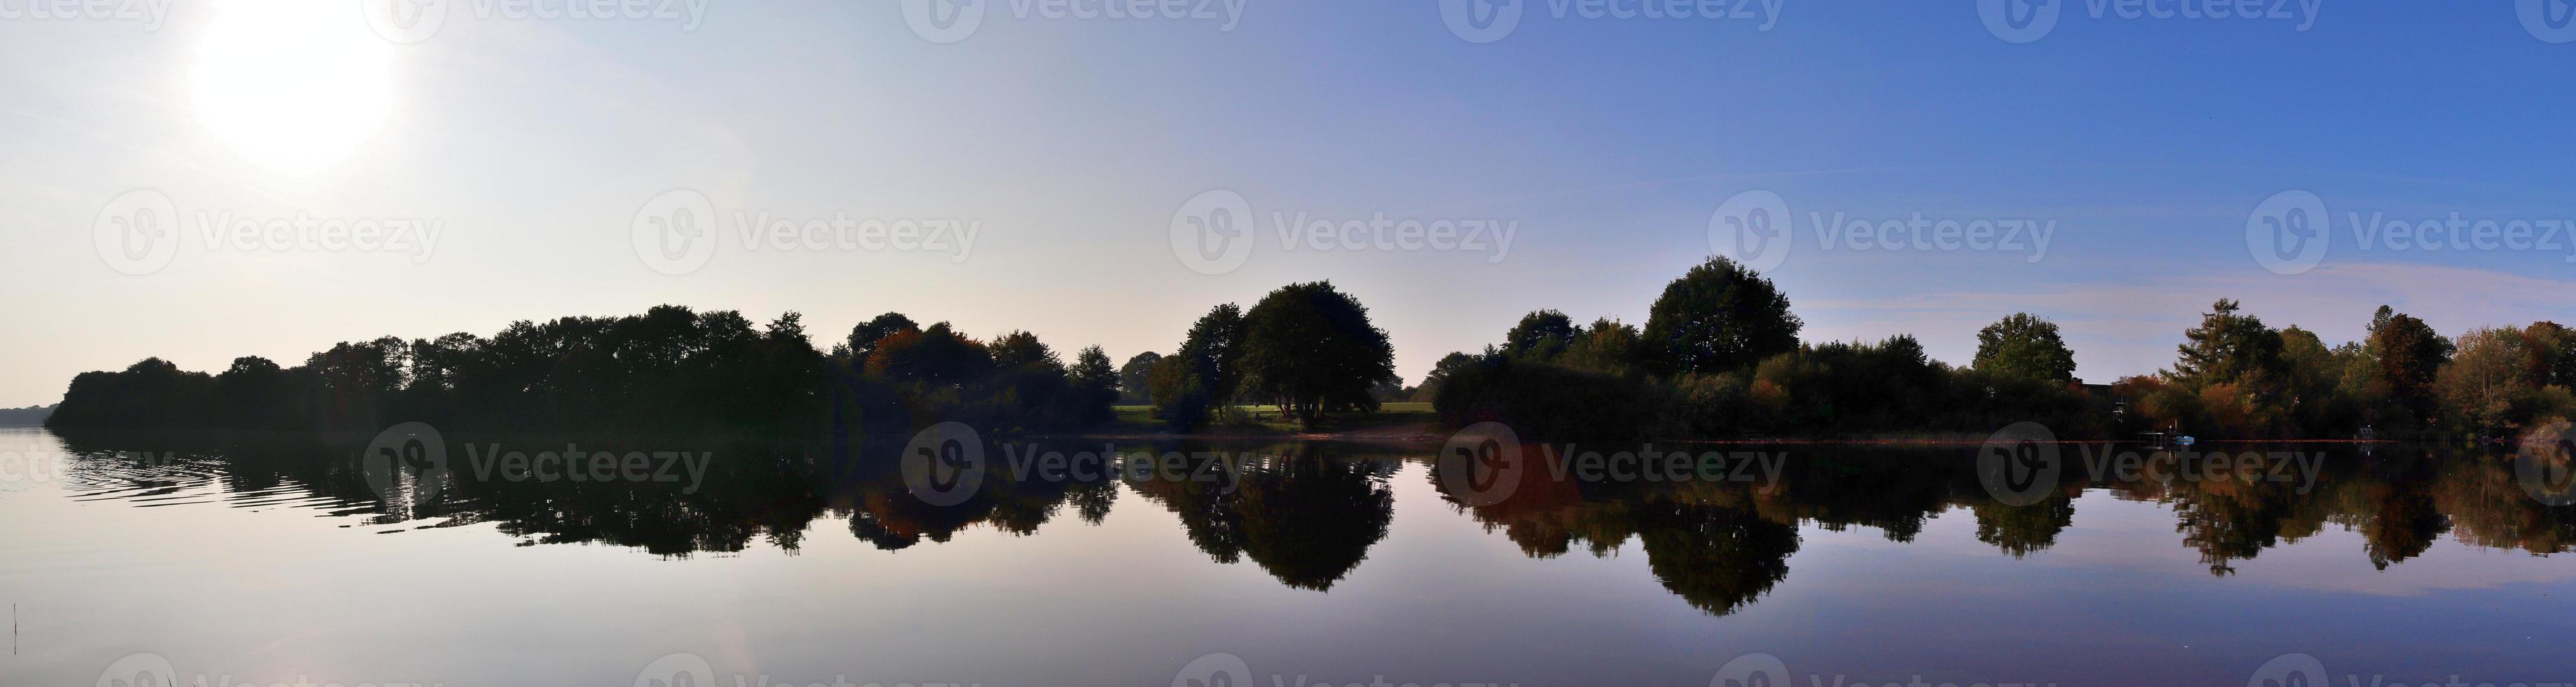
point(733, 561)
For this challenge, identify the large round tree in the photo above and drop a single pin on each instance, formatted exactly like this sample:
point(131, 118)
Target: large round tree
point(1721, 316)
point(2025, 346)
point(1313, 349)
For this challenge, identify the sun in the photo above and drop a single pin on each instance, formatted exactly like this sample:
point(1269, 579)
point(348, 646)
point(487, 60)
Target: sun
point(293, 85)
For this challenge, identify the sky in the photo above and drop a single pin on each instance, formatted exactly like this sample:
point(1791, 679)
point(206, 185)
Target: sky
point(201, 180)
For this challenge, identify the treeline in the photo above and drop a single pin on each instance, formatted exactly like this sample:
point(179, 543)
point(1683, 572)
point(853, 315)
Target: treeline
point(2238, 377)
point(29, 416)
point(1306, 347)
point(669, 369)
point(1719, 356)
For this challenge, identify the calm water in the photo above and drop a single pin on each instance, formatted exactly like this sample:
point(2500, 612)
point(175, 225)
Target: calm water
point(252, 562)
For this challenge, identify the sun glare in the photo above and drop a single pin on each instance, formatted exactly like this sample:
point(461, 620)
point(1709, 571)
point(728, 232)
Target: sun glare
point(293, 85)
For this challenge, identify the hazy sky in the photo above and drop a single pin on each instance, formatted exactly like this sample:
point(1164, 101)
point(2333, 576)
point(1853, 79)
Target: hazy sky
point(536, 139)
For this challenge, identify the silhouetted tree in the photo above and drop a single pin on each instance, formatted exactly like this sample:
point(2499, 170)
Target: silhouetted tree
point(1314, 349)
point(1720, 316)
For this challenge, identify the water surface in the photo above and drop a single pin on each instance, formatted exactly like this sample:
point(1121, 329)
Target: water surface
point(267, 561)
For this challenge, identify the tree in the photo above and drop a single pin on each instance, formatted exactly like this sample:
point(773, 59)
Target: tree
point(934, 358)
point(2228, 348)
point(2025, 346)
point(1313, 348)
point(1541, 335)
point(1132, 377)
point(1214, 353)
point(2551, 351)
point(1609, 347)
point(1094, 388)
point(1448, 367)
point(1720, 316)
point(2486, 380)
point(2410, 356)
point(863, 338)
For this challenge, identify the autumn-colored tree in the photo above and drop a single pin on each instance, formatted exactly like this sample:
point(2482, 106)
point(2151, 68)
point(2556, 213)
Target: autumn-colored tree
point(2409, 356)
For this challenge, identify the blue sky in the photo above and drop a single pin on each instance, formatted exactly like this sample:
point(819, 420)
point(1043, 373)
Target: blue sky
point(534, 144)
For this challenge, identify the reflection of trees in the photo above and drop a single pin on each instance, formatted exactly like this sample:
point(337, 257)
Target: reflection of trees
point(1306, 518)
point(2023, 530)
point(883, 511)
point(1704, 542)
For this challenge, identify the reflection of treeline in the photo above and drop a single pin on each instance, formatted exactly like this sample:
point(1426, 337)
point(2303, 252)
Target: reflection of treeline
point(1308, 514)
point(1719, 356)
point(1721, 545)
